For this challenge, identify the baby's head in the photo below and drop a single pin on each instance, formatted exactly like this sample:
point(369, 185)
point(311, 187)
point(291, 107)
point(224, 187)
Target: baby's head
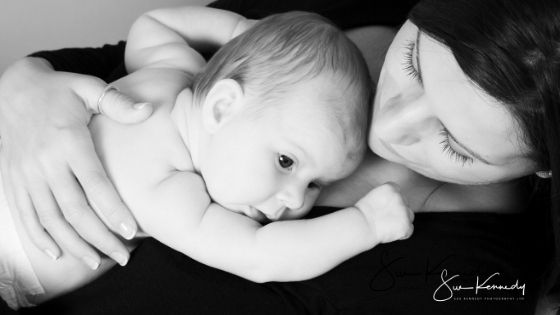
point(287, 107)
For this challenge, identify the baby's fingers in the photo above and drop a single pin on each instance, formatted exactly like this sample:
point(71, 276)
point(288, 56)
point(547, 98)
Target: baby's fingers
point(408, 233)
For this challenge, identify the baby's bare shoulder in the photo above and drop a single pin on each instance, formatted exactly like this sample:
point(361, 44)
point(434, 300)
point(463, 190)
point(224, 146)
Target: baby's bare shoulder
point(155, 85)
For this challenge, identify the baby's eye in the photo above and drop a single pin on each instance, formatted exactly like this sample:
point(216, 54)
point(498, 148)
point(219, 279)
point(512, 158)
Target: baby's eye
point(285, 162)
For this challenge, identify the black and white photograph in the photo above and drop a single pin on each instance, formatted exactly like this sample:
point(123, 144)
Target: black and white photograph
point(280, 157)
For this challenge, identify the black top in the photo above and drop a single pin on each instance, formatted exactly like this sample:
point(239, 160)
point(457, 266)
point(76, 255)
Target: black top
point(448, 250)
point(397, 278)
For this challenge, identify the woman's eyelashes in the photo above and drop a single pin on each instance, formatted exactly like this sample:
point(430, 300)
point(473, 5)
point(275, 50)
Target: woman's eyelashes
point(410, 69)
point(408, 64)
point(454, 155)
point(285, 162)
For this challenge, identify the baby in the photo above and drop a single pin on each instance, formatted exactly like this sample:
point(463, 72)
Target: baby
point(278, 112)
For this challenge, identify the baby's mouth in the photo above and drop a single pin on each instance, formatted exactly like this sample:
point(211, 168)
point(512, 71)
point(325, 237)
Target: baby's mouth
point(256, 215)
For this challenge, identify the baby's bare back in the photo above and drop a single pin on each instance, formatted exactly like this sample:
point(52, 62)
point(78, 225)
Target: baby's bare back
point(136, 157)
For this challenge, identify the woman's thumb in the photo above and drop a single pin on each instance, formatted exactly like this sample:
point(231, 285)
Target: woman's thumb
point(122, 108)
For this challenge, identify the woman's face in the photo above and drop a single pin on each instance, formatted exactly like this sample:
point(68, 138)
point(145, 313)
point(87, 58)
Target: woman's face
point(431, 118)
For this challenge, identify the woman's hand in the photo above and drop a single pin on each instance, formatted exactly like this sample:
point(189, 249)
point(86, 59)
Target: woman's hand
point(49, 166)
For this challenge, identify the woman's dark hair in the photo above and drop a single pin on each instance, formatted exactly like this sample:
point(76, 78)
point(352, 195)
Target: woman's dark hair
point(511, 50)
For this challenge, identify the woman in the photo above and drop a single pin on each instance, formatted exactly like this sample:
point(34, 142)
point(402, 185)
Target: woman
point(466, 117)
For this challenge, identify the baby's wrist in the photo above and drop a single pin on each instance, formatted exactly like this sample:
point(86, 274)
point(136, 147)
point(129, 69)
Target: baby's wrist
point(369, 225)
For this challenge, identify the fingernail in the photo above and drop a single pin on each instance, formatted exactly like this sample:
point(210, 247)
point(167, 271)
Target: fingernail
point(92, 263)
point(139, 106)
point(51, 254)
point(120, 258)
point(126, 231)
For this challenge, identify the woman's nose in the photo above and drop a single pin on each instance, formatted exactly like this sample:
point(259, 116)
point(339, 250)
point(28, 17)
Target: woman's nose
point(405, 119)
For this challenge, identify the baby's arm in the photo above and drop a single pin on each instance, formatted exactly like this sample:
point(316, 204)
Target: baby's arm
point(280, 251)
point(174, 37)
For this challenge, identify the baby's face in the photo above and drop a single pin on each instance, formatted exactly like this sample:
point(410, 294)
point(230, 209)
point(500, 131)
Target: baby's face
point(270, 163)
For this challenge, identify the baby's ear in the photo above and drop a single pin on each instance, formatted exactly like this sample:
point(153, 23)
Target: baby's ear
point(222, 102)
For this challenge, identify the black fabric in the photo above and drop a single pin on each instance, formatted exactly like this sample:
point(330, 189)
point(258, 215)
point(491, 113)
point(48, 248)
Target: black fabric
point(395, 278)
point(100, 62)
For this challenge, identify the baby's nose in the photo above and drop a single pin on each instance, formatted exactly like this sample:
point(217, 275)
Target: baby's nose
point(292, 197)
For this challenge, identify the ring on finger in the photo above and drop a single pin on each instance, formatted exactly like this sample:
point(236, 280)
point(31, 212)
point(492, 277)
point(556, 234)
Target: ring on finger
point(106, 90)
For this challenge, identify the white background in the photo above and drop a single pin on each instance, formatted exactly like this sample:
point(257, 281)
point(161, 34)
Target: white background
point(31, 25)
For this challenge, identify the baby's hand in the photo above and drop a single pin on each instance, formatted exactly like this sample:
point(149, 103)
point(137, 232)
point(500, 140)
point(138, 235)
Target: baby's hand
point(387, 213)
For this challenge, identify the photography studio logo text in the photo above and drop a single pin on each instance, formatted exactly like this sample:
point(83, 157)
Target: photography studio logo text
point(491, 287)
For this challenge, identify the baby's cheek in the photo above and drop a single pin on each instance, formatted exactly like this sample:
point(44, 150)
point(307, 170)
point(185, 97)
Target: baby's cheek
point(221, 183)
point(237, 186)
point(258, 186)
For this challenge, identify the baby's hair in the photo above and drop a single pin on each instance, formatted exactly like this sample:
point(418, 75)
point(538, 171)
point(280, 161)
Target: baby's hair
point(285, 49)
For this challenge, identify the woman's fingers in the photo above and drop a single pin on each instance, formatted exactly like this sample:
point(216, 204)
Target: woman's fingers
point(58, 227)
point(99, 190)
point(30, 221)
point(43, 123)
point(51, 219)
point(123, 109)
point(84, 220)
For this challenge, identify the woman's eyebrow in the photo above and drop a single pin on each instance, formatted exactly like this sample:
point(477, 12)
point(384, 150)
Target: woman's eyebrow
point(471, 152)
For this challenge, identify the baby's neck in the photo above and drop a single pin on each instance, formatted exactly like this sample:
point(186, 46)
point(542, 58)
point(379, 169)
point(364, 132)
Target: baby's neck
point(187, 118)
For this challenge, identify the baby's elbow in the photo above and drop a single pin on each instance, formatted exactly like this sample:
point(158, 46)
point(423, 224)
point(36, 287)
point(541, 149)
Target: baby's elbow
point(270, 274)
point(264, 271)
point(259, 275)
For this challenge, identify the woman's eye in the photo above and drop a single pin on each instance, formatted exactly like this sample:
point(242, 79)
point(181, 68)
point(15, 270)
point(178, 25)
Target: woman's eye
point(454, 155)
point(285, 162)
